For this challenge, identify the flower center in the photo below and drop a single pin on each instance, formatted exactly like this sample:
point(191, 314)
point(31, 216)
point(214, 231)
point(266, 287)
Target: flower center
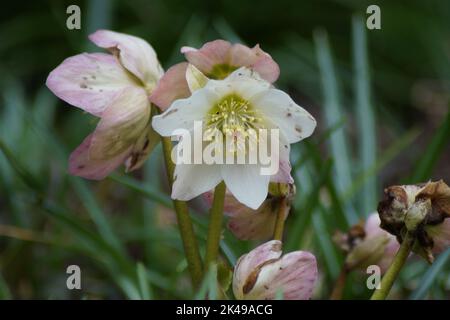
point(221, 71)
point(233, 116)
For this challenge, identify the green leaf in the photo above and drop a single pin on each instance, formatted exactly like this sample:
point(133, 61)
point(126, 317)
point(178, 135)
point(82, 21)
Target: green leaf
point(5, 293)
point(425, 165)
point(334, 114)
point(389, 154)
point(28, 178)
point(96, 213)
point(144, 286)
point(364, 114)
point(430, 276)
point(302, 216)
point(327, 247)
point(209, 287)
point(146, 190)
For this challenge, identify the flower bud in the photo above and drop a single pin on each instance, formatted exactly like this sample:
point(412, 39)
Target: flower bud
point(367, 245)
point(263, 273)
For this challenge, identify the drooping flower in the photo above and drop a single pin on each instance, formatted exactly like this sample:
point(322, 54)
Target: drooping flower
point(114, 87)
point(216, 60)
point(248, 224)
point(422, 210)
point(263, 273)
point(234, 107)
point(367, 244)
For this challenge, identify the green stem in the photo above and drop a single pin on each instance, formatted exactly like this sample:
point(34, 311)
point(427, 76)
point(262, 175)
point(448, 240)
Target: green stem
point(184, 222)
point(394, 269)
point(215, 225)
point(281, 217)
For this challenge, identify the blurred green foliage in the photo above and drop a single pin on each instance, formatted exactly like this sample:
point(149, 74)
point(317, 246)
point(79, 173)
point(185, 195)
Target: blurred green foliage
point(381, 98)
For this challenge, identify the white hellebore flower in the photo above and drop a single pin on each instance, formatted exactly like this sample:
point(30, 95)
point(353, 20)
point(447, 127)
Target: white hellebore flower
point(235, 107)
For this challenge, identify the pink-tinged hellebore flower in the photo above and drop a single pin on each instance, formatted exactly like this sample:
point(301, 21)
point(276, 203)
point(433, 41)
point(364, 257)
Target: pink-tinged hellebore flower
point(263, 273)
point(216, 60)
point(114, 87)
point(248, 224)
point(423, 211)
point(367, 244)
point(233, 108)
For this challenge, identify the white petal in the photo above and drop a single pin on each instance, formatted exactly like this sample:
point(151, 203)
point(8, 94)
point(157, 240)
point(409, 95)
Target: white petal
point(294, 122)
point(244, 82)
point(192, 180)
point(246, 183)
point(89, 81)
point(184, 112)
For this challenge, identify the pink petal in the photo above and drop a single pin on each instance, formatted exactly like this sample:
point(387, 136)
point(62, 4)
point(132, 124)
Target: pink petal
point(135, 54)
point(372, 226)
point(121, 125)
point(258, 224)
point(142, 149)
point(185, 49)
point(89, 81)
point(256, 59)
point(231, 207)
point(80, 163)
point(241, 55)
point(295, 275)
point(372, 229)
point(246, 223)
point(210, 54)
point(261, 274)
point(247, 263)
point(284, 169)
point(222, 54)
point(265, 65)
point(171, 86)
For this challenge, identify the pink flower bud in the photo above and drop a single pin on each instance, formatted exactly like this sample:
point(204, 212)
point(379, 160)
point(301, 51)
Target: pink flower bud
point(263, 273)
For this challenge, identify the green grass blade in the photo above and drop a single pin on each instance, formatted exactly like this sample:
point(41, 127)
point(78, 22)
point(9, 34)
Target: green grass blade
point(96, 213)
point(5, 293)
point(302, 216)
point(208, 288)
point(144, 286)
point(147, 190)
point(326, 245)
point(364, 114)
point(430, 275)
point(27, 177)
point(425, 165)
point(389, 154)
point(130, 290)
point(334, 114)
